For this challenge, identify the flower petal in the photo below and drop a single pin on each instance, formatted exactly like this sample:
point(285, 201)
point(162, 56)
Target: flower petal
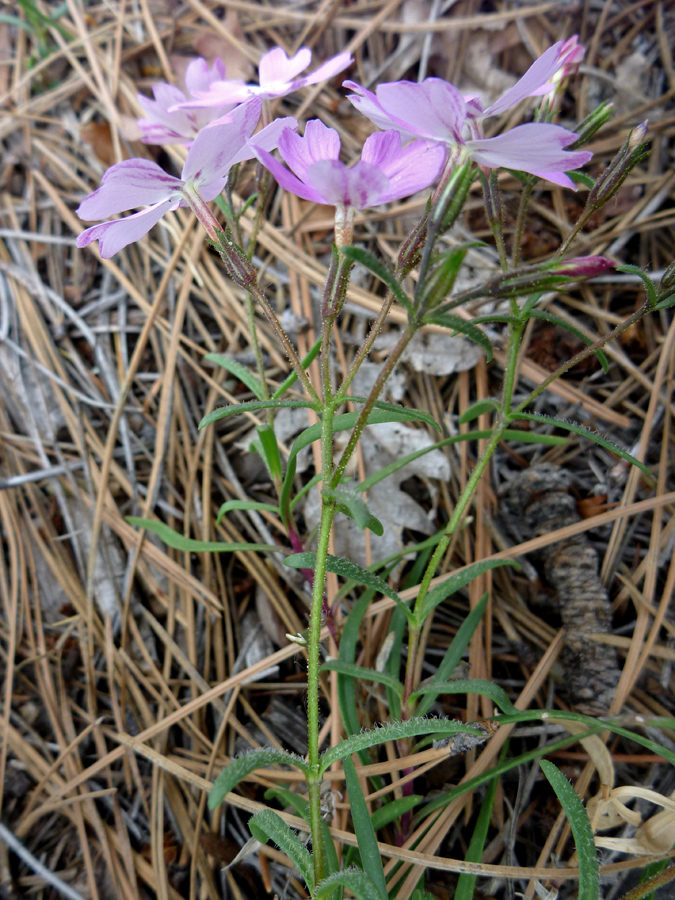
point(408, 169)
point(360, 186)
point(266, 139)
point(210, 157)
point(287, 180)
point(330, 68)
point(276, 66)
point(537, 148)
point(541, 71)
point(127, 185)
point(113, 236)
point(368, 105)
point(221, 93)
point(319, 142)
point(433, 109)
point(199, 76)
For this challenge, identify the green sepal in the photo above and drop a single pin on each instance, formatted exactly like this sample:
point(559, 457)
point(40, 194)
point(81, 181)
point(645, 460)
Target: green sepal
point(266, 825)
point(345, 568)
point(558, 320)
point(179, 542)
point(242, 766)
point(241, 372)
point(441, 278)
point(575, 428)
point(587, 859)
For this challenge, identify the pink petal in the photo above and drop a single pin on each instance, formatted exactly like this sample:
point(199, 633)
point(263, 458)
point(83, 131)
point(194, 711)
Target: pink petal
point(221, 93)
point(368, 105)
point(537, 148)
point(287, 180)
point(161, 124)
point(127, 185)
point(330, 68)
point(199, 76)
point(210, 157)
point(541, 71)
point(360, 186)
point(319, 142)
point(434, 109)
point(276, 67)
point(266, 139)
point(113, 236)
point(408, 169)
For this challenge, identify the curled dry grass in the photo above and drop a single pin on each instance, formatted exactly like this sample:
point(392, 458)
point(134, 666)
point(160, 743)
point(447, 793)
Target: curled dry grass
point(128, 677)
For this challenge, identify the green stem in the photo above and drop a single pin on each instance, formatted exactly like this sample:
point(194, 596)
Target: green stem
point(582, 355)
point(366, 347)
point(520, 221)
point(377, 389)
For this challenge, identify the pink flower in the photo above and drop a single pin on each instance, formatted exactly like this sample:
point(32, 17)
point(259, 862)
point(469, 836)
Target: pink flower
point(166, 122)
point(141, 182)
point(436, 111)
point(387, 171)
point(278, 77)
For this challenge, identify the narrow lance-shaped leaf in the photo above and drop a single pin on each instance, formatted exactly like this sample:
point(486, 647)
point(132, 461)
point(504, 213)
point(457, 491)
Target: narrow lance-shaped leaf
point(241, 372)
point(457, 581)
point(589, 881)
point(584, 432)
point(392, 731)
point(231, 505)
point(293, 377)
point(268, 825)
point(558, 320)
point(173, 539)
point(351, 570)
point(242, 766)
point(470, 686)
point(371, 859)
point(270, 451)
point(359, 255)
point(461, 326)
point(356, 881)
point(236, 409)
point(354, 671)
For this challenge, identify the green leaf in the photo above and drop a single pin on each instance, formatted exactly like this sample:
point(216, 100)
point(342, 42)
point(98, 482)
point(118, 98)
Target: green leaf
point(270, 451)
point(231, 505)
point(441, 278)
point(584, 432)
point(589, 880)
point(470, 686)
point(461, 326)
point(392, 811)
point(242, 766)
point(650, 287)
point(292, 378)
point(343, 422)
point(241, 372)
point(173, 539)
point(392, 731)
point(300, 804)
point(235, 409)
point(371, 859)
point(352, 505)
point(354, 880)
point(466, 883)
point(457, 581)
point(558, 320)
point(531, 302)
point(477, 409)
point(354, 671)
point(359, 255)
point(454, 653)
point(338, 565)
point(266, 825)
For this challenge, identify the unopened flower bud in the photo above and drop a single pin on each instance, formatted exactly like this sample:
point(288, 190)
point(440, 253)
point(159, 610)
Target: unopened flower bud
point(591, 125)
point(238, 267)
point(633, 151)
point(545, 277)
point(410, 253)
point(583, 266)
point(668, 278)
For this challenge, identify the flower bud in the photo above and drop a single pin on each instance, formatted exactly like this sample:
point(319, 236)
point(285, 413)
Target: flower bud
point(591, 125)
point(238, 267)
point(667, 282)
point(545, 277)
point(583, 266)
point(633, 151)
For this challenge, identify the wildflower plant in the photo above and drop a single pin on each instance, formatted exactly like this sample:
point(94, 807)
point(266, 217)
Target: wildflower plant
point(433, 140)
